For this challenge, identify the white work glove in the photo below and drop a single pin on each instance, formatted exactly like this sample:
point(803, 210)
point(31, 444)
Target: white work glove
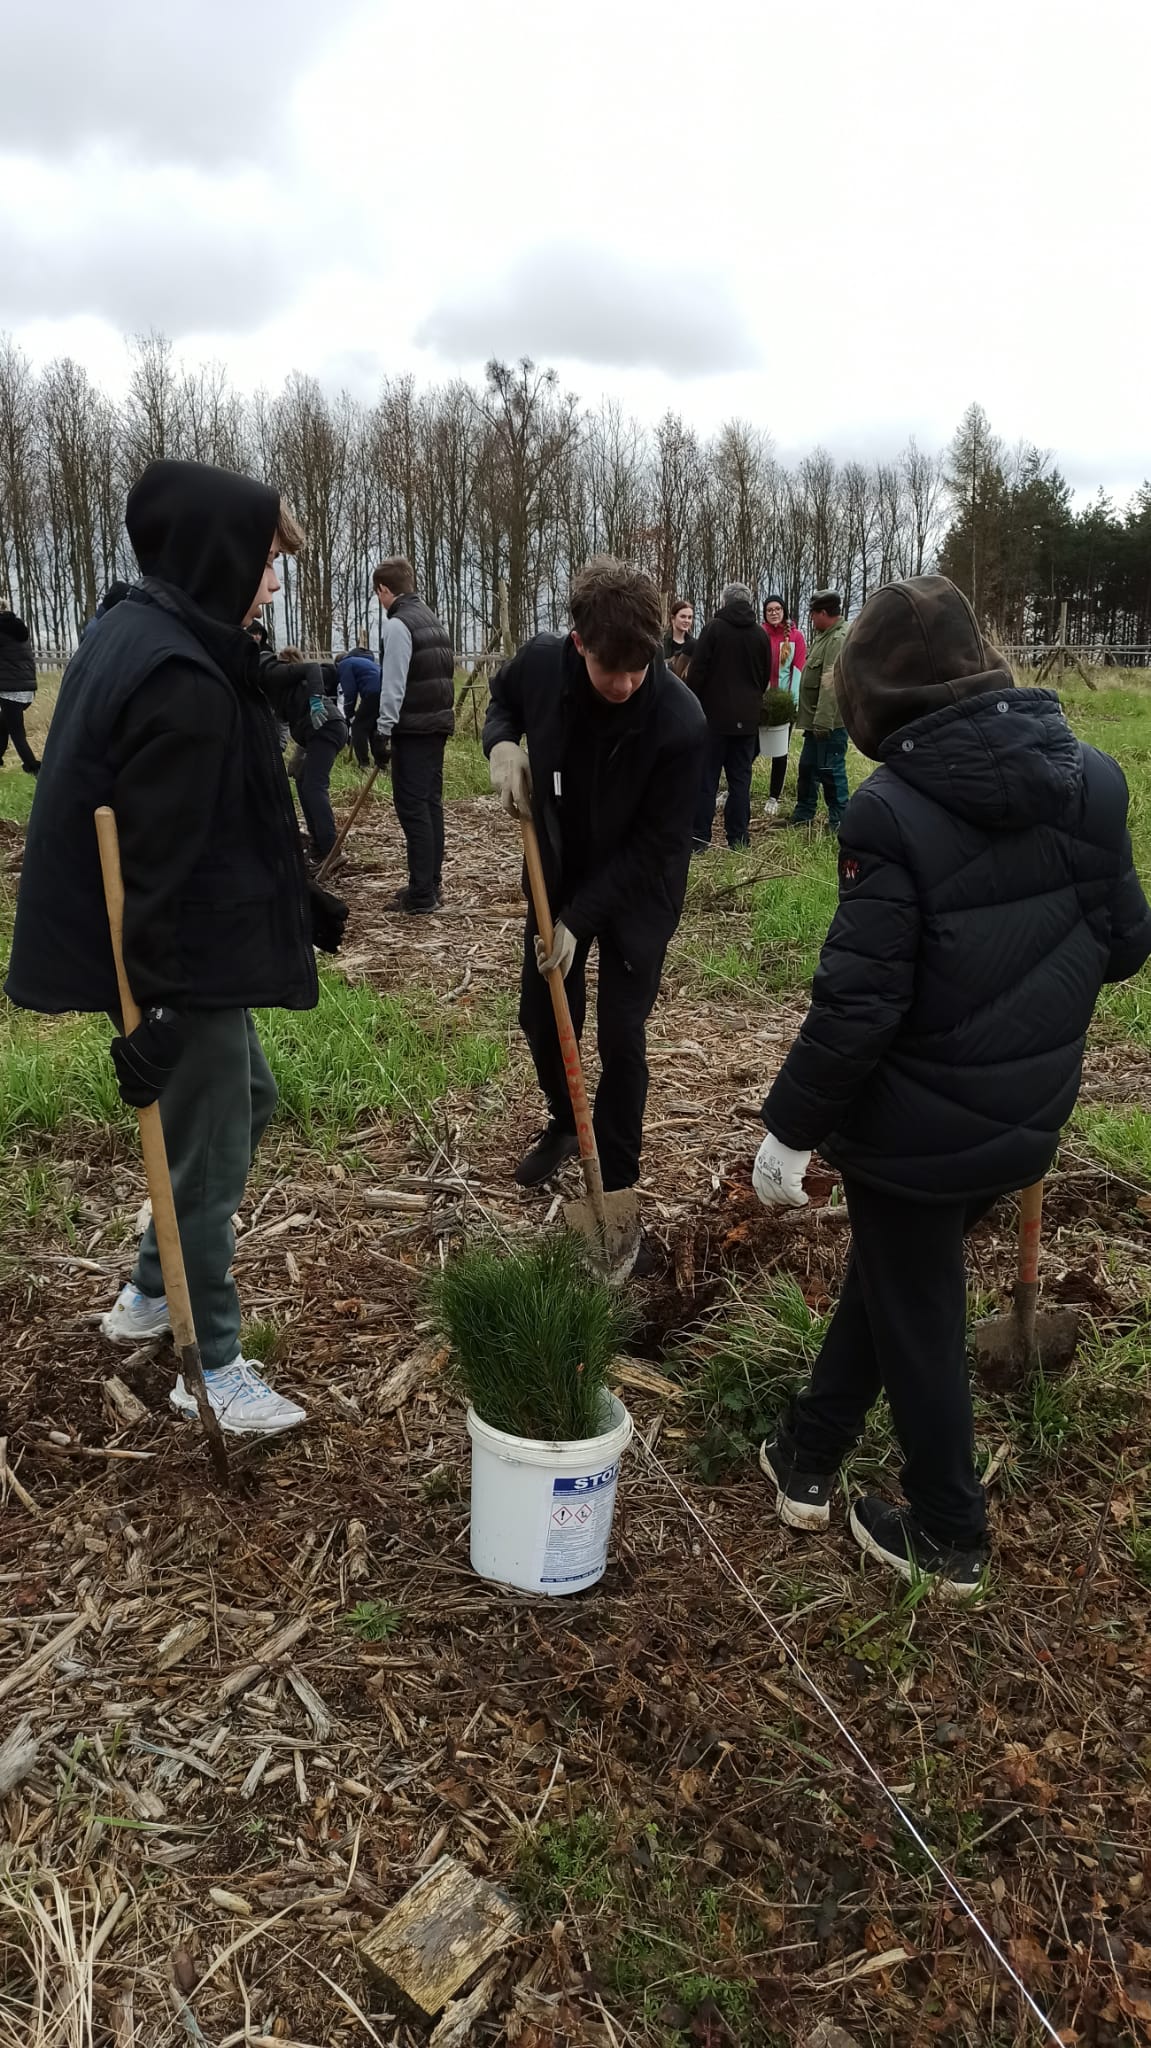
point(511, 776)
point(562, 954)
point(777, 1175)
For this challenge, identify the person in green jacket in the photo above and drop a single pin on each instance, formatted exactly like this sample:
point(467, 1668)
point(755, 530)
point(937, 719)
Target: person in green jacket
point(823, 760)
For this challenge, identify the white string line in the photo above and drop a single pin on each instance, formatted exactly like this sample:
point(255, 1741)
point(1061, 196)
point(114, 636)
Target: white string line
point(791, 1654)
point(1101, 1166)
point(857, 1750)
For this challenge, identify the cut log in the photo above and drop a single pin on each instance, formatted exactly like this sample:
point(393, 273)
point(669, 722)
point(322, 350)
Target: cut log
point(442, 1931)
point(124, 1406)
point(18, 1753)
point(409, 1374)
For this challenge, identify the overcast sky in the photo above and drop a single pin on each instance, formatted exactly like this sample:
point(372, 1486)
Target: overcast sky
point(841, 222)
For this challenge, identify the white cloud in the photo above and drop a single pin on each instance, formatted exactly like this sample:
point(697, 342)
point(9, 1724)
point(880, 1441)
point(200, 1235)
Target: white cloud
point(585, 305)
point(842, 227)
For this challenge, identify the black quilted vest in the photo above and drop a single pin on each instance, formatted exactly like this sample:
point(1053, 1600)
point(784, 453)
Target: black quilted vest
point(429, 700)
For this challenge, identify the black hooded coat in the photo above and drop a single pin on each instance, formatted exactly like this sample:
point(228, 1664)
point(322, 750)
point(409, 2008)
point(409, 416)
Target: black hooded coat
point(731, 669)
point(161, 715)
point(986, 893)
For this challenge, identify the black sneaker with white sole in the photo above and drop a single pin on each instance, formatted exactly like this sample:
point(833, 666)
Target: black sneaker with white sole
point(894, 1538)
point(802, 1499)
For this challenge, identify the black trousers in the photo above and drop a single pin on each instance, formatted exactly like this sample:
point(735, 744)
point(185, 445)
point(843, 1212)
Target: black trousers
point(778, 775)
point(418, 795)
point(625, 1002)
point(12, 728)
point(320, 754)
point(731, 754)
point(363, 722)
point(900, 1328)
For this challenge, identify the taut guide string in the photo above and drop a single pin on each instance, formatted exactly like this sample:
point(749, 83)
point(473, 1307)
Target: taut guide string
point(792, 1656)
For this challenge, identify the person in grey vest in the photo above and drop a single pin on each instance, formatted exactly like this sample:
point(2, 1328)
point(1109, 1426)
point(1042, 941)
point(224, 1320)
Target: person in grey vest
point(416, 719)
point(17, 686)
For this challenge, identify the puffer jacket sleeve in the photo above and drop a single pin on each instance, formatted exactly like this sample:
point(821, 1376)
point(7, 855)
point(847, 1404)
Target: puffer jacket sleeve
point(1130, 923)
point(864, 983)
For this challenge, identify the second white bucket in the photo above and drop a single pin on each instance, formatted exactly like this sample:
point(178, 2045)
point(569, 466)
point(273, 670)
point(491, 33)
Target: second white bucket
point(542, 1512)
point(774, 740)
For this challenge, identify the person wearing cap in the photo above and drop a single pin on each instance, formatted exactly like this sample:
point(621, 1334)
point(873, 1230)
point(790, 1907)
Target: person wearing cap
point(788, 656)
point(823, 757)
point(986, 894)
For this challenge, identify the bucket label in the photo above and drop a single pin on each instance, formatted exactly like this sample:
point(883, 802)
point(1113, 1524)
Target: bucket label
point(578, 1527)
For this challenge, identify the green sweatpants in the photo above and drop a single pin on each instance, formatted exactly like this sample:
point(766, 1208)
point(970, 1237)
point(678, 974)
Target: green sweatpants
point(214, 1111)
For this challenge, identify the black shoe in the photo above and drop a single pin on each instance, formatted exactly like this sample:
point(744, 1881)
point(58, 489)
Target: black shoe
point(552, 1149)
point(412, 906)
point(802, 1499)
point(894, 1538)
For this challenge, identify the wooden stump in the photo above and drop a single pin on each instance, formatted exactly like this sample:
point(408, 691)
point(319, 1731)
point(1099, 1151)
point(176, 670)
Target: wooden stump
point(439, 1935)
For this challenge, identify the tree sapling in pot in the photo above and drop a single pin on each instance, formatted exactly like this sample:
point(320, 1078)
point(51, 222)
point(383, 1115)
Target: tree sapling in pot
point(532, 1335)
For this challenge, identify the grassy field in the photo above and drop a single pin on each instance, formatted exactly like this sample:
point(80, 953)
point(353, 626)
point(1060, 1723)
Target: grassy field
point(698, 1859)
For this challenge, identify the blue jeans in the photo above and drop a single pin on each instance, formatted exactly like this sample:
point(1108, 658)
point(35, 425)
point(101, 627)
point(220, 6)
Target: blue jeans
point(822, 765)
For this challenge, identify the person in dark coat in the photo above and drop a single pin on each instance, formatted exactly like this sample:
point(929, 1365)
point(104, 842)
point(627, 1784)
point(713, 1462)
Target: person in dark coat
point(161, 716)
point(359, 674)
point(115, 594)
point(304, 695)
point(17, 687)
point(415, 720)
point(730, 671)
point(987, 893)
point(611, 776)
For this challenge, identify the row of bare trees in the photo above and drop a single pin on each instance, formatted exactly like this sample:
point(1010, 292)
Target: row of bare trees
point(513, 482)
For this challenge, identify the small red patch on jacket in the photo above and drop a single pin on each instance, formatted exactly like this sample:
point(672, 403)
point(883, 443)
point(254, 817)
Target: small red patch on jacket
point(849, 869)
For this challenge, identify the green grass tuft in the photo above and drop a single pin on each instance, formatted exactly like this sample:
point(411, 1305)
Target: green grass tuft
point(373, 1621)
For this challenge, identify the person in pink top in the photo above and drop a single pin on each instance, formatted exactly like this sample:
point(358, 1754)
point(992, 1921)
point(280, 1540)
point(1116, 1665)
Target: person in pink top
point(788, 654)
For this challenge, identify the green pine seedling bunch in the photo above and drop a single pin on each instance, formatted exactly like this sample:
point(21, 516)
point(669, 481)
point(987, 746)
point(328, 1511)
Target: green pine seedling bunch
point(778, 708)
point(532, 1337)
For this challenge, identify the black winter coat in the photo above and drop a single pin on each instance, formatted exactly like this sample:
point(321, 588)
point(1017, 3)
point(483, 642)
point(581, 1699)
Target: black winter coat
point(986, 894)
point(161, 715)
point(731, 669)
point(633, 871)
point(17, 655)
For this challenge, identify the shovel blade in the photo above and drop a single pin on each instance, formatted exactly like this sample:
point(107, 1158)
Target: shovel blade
point(615, 1248)
point(1001, 1354)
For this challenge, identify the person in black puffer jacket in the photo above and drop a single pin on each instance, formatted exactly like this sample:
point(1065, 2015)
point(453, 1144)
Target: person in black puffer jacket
point(987, 893)
point(730, 671)
point(17, 687)
point(161, 716)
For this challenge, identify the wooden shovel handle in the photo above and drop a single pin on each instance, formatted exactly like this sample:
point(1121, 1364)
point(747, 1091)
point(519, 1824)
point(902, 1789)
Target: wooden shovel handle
point(1030, 1225)
point(1027, 1284)
point(156, 1161)
point(569, 1044)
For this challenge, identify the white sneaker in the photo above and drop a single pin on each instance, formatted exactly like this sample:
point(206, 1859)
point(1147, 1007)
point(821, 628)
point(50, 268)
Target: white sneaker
point(135, 1318)
point(771, 807)
point(243, 1401)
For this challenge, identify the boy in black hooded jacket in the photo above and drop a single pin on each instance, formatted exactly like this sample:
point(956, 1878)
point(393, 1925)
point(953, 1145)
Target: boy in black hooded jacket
point(161, 715)
point(986, 893)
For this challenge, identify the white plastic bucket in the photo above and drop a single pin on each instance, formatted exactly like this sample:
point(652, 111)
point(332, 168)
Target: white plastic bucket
point(774, 740)
point(542, 1513)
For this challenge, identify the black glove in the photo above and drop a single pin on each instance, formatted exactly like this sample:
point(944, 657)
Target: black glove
point(329, 916)
point(145, 1059)
point(381, 746)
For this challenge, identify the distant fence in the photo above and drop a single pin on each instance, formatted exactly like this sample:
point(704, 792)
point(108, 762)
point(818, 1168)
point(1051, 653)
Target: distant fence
point(1092, 653)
